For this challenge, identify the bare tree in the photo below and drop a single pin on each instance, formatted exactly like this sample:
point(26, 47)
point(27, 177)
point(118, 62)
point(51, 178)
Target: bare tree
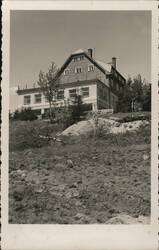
point(49, 84)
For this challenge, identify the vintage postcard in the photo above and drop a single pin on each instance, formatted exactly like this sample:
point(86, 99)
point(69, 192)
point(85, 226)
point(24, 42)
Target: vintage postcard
point(79, 125)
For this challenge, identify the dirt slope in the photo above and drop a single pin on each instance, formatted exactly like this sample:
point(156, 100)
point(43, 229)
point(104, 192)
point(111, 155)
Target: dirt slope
point(82, 180)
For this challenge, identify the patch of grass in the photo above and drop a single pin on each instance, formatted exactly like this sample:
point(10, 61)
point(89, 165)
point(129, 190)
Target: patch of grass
point(23, 135)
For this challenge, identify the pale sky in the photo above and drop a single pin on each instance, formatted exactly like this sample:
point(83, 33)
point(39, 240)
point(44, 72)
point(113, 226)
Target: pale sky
point(40, 37)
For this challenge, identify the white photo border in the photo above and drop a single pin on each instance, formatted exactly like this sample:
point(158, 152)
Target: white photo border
point(23, 236)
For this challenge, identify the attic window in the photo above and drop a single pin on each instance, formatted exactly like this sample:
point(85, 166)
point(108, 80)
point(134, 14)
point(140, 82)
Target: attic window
point(66, 72)
point(78, 58)
point(91, 67)
point(78, 70)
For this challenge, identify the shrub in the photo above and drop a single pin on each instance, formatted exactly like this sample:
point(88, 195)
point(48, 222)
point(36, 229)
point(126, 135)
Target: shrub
point(100, 129)
point(63, 116)
point(30, 134)
point(26, 114)
point(135, 117)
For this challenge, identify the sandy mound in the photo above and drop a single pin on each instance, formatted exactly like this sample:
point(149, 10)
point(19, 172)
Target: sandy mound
point(108, 126)
point(127, 219)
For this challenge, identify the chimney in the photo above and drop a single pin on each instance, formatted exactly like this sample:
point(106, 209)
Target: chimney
point(90, 52)
point(114, 62)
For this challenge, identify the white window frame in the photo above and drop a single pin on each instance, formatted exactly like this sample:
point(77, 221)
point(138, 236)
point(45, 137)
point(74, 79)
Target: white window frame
point(27, 96)
point(91, 65)
point(76, 69)
point(85, 91)
point(72, 90)
point(58, 94)
point(68, 72)
point(78, 58)
point(35, 101)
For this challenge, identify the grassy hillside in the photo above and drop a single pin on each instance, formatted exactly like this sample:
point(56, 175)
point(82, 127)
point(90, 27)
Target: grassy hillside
point(78, 180)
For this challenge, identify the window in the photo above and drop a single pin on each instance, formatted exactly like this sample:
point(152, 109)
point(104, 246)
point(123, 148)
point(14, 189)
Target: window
point(37, 111)
point(90, 68)
point(78, 58)
point(27, 100)
point(78, 70)
point(38, 98)
point(46, 99)
point(66, 72)
point(60, 94)
point(85, 92)
point(72, 93)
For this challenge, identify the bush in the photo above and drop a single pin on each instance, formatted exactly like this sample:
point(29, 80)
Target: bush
point(100, 129)
point(30, 134)
point(64, 117)
point(26, 114)
point(135, 118)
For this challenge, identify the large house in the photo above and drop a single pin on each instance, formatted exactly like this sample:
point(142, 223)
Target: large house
point(98, 83)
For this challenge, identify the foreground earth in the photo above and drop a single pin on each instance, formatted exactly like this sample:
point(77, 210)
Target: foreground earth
point(80, 180)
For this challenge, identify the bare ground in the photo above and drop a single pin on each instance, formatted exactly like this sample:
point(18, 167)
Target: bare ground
point(81, 180)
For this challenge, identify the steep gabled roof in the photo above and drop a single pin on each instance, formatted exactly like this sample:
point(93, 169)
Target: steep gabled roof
point(79, 51)
point(105, 68)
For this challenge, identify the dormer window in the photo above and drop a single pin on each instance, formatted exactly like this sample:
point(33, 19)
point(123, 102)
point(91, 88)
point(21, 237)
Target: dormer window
point(66, 72)
point(78, 70)
point(78, 58)
point(90, 67)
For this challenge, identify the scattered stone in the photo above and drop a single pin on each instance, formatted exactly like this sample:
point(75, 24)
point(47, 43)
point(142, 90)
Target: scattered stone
point(40, 190)
point(78, 203)
point(143, 219)
point(28, 152)
point(146, 157)
point(72, 194)
point(74, 185)
point(57, 158)
point(127, 219)
point(60, 166)
point(70, 164)
point(95, 157)
point(84, 219)
point(62, 187)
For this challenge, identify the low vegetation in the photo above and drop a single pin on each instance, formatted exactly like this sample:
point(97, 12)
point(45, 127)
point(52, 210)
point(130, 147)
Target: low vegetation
point(79, 179)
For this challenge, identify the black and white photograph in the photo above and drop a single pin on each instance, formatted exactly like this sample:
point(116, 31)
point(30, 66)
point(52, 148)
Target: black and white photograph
point(80, 117)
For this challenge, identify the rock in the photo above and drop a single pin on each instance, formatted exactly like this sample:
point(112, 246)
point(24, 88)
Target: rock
point(84, 219)
point(78, 203)
point(57, 158)
point(95, 157)
point(143, 219)
point(62, 187)
point(145, 157)
point(127, 219)
point(28, 152)
point(40, 190)
point(74, 185)
point(33, 177)
point(72, 194)
point(60, 166)
point(70, 164)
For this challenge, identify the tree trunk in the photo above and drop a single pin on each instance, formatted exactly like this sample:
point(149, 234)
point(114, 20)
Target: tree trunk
point(50, 112)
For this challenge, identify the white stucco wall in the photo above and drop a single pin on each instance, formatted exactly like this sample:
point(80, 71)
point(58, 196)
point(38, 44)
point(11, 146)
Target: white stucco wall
point(91, 99)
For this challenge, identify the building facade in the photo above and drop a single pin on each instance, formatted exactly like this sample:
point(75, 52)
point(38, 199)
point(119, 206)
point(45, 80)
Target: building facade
point(98, 83)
